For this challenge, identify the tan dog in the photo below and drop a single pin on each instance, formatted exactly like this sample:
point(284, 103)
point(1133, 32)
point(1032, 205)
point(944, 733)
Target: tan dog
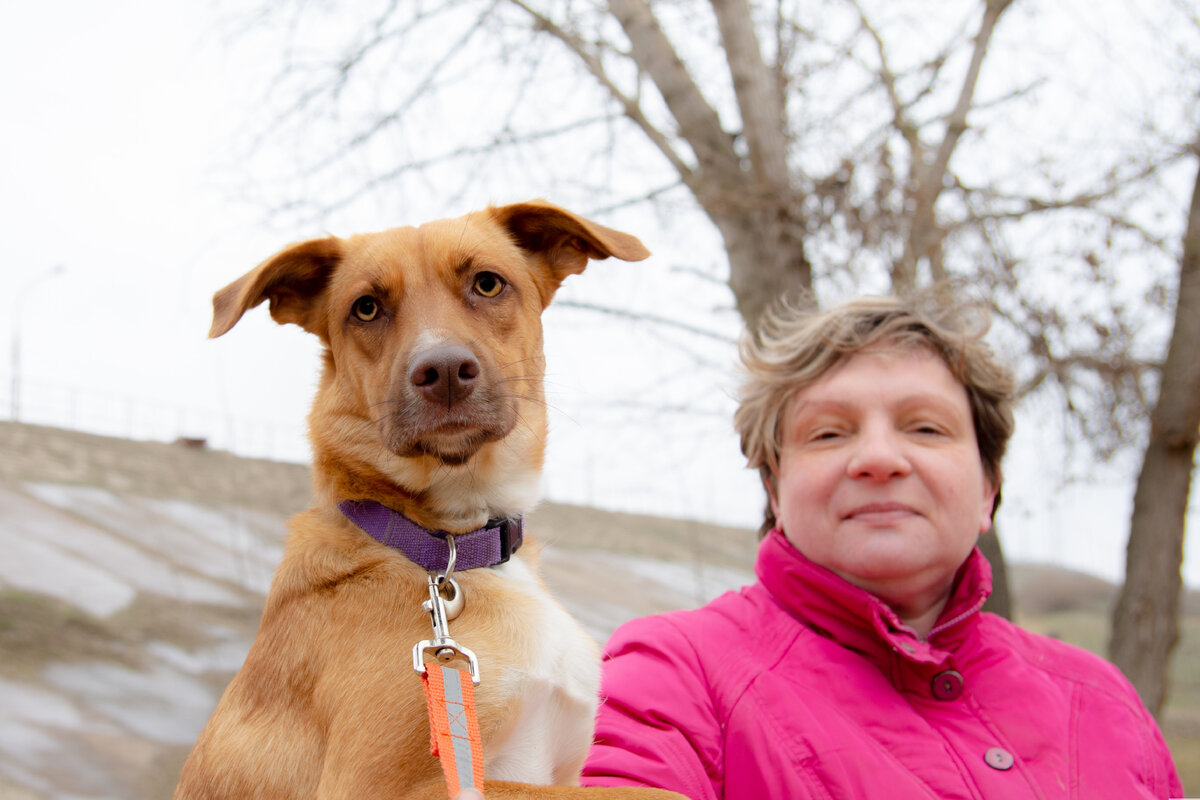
point(430, 403)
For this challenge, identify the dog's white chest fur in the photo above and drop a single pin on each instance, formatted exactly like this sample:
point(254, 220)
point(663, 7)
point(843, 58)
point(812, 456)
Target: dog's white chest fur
point(558, 690)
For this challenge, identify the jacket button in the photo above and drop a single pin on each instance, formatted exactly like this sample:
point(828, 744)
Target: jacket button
point(947, 685)
point(998, 758)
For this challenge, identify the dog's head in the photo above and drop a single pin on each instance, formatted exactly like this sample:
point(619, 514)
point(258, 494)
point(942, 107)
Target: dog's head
point(431, 396)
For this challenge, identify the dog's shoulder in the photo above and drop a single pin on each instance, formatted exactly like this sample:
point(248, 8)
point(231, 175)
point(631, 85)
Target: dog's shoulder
point(326, 557)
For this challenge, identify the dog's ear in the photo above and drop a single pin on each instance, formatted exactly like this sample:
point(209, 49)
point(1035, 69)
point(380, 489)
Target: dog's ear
point(292, 280)
point(564, 240)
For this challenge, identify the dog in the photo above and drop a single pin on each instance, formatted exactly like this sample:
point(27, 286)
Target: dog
point(430, 410)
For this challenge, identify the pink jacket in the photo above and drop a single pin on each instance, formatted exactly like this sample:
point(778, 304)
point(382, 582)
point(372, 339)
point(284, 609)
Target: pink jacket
point(804, 686)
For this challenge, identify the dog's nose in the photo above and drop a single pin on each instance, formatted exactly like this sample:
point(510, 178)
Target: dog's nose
point(445, 375)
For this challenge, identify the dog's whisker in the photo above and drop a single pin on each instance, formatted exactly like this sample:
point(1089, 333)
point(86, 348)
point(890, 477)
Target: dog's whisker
point(531, 360)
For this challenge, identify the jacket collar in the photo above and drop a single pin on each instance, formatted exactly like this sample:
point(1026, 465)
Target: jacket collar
point(488, 546)
point(857, 619)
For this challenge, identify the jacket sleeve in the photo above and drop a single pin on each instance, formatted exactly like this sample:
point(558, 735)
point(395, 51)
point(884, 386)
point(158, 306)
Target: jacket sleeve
point(1167, 764)
point(657, 724)
point(1159, 767)
point(1166, 777)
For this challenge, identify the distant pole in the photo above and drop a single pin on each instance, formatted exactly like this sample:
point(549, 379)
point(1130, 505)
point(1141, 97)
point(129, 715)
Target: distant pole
point(14, 400)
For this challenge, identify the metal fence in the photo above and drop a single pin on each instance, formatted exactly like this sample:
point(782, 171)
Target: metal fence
point(129, 417)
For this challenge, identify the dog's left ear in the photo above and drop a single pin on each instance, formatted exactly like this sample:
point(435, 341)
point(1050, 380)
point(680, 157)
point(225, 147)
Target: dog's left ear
point(564, 240)
point(292, 280)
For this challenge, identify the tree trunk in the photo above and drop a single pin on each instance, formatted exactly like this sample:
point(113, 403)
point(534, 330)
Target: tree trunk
point(1145, 620)
point(748, 199)
point(766, 257)
point(759, 219)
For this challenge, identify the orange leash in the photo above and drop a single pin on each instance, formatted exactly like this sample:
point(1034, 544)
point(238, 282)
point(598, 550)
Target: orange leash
point(449, 692)
point(454, 727)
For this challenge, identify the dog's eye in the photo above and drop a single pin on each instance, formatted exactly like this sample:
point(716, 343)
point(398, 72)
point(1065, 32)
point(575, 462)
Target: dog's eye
point(366, 308)
point(488, 284)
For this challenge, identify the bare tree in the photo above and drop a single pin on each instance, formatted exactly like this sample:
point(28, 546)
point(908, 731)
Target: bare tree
point(822, 141)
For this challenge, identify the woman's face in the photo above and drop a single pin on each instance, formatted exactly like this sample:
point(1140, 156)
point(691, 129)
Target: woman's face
point(880, 478)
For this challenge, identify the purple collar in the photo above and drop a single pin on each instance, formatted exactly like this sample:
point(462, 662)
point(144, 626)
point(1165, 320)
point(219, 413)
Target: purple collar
point(490, 545)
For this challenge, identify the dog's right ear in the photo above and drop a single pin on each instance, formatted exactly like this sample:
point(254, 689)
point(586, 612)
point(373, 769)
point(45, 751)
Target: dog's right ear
point(292, 280)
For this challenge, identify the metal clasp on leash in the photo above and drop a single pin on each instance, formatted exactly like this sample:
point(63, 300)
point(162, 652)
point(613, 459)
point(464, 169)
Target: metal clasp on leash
point(441, 610)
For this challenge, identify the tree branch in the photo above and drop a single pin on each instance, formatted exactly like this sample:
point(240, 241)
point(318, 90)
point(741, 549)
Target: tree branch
point(907, 130)
point(928, 180)
point(629, 105)
point(757, 97)
point(696, 120)
point(503, 138)
point(640, 316)
point(956, 125)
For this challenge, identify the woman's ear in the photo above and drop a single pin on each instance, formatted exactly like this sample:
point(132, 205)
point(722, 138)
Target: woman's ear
point(768, 484)
point(991, 499)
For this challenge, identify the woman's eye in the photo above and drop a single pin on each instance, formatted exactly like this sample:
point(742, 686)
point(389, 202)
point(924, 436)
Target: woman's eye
point(488, 284)
point(822, 434)
point(366, 308)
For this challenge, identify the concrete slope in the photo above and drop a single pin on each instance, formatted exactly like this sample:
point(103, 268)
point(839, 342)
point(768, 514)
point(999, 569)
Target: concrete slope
point(132, 576)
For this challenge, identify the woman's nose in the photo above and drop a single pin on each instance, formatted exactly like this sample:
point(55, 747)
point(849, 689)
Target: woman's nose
point(878, 454)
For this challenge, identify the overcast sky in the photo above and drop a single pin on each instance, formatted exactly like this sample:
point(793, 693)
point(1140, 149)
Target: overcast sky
point(120, 127)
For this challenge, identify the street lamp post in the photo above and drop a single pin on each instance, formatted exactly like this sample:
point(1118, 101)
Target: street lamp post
point(18, 299)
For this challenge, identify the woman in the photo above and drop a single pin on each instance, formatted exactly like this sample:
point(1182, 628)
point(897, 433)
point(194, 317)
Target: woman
point(859, 665)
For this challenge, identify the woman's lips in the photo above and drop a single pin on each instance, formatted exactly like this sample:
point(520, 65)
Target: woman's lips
point(880, 513)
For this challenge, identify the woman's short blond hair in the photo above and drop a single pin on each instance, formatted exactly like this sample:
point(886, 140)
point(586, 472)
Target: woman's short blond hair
point(796, 346)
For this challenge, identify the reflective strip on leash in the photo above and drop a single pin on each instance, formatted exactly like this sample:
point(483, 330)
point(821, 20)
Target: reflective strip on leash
point(454, 727)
